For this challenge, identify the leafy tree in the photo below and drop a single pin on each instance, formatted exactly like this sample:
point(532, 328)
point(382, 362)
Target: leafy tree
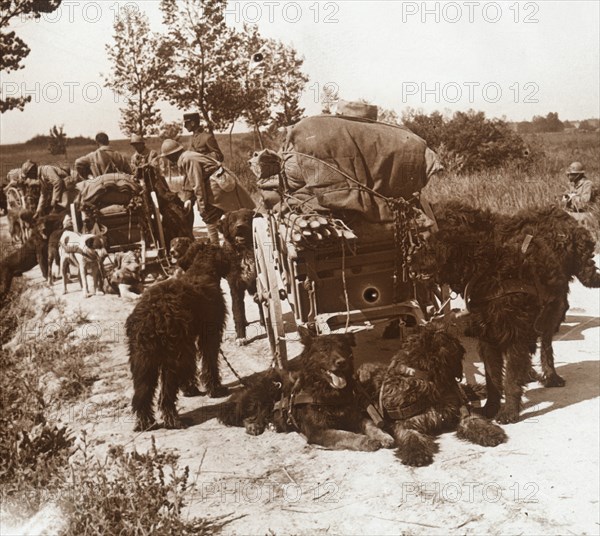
point(137, 72)
point(13, 50)
point(58, 141)
point(385, 115)
point(200, 52)
point(468, 141)
point(170, 131)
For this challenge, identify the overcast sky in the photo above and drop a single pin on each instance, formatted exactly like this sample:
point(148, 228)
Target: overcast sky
point(513, 59)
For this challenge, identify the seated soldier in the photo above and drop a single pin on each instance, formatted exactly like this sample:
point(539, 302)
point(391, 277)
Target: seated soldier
point(579, 194)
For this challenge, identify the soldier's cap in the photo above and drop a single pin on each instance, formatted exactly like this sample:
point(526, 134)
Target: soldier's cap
point(135, 139)
point(27, 167)
point(192, 116)
point(170, 147)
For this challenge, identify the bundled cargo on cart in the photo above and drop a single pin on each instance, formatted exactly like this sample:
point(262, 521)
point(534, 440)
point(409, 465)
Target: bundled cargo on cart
point(343, 218)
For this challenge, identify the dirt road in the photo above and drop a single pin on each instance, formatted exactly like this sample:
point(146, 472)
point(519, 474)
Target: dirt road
point(544, 480)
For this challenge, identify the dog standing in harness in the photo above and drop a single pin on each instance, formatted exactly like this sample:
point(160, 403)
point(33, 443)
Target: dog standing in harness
point(87, 252)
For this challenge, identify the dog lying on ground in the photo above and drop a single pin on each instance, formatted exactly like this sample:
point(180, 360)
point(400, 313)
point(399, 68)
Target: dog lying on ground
point(515, 290)
point(20, 221)
point(126, 277)
point(238, 244)
point(171, 321)
point(419, 396)
point(86, 252)
point(317, 398)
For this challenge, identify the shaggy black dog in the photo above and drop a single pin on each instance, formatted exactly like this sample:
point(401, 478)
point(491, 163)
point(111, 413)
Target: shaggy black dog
point(571, 244)
point(419, 396)
point(515, 289)
point(316, 398)
point(34, 251)
point(237, 231)
point(172, 320)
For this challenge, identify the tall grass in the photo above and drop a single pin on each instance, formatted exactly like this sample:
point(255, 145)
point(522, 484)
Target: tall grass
point(510, 189)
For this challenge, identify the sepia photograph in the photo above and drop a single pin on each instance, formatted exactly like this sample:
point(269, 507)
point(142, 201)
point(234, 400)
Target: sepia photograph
point(299, 267)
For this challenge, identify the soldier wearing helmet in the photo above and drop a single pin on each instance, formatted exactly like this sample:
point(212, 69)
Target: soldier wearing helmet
point(142, 155)
point(52, 186)
point(202, 142)
point(579, 193)
point(212, 202)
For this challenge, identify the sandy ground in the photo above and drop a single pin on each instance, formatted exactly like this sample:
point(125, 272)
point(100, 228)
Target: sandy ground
point(544, 480)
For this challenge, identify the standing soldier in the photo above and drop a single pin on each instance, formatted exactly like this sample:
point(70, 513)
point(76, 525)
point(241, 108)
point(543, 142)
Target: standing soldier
point(142, 155)
point(202, 142)
point(212, 202)
point(102, 161)
point(579, 194)
point(53, 185)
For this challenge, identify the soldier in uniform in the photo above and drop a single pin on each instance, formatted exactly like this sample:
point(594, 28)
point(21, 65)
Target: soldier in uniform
point(579, 194)
point(142, 155)
point(196, 169)
point(102, 161)
point(54, 183)
point(202, 142)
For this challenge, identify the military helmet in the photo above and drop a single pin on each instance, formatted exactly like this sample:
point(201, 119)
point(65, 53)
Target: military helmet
point(28, 169)
point(135, 139)
point(576, 168)
point(170, 147)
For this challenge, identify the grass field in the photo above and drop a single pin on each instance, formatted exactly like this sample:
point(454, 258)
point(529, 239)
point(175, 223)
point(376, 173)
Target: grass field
point(506, 189)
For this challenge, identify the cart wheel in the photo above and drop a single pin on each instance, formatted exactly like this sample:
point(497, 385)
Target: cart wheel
point(14, 198)
point(268, 291)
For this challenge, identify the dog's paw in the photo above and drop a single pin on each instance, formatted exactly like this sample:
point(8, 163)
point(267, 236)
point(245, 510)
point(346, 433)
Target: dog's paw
point(368, 444)
point(415, 458)
point(552, 380)
point(99, 293)
point(254, 428)
point(506, 416)
point(385, 440)
point(481, 432)
point(174, 423)
point(145, 426)
point(241, 341)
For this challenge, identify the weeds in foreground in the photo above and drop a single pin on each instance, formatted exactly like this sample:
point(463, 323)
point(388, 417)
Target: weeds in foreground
point(130, 493)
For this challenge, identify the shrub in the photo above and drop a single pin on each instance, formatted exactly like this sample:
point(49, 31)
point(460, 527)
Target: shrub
point(468, 141)
point(131, 493)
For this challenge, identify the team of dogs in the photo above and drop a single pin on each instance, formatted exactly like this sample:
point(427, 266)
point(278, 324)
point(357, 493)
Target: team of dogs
point(513, 272)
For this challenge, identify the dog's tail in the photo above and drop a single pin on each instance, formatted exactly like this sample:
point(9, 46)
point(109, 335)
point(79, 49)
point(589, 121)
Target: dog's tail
point(481, 431)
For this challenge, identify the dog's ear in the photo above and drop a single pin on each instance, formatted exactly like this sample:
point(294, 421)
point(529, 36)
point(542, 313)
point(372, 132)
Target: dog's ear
point(224, 227)
point(306, 337)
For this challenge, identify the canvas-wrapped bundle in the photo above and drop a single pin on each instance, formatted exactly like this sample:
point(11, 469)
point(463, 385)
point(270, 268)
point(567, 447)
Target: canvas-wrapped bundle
point(350, 165)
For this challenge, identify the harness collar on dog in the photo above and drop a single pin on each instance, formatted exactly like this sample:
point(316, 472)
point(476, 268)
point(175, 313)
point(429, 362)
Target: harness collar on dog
point(505, 288)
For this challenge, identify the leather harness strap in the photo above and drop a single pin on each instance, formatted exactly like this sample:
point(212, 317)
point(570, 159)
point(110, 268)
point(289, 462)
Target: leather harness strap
point(401, 413)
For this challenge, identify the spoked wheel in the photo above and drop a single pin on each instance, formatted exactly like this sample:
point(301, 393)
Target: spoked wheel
point(14, 198)
point(268, 290)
